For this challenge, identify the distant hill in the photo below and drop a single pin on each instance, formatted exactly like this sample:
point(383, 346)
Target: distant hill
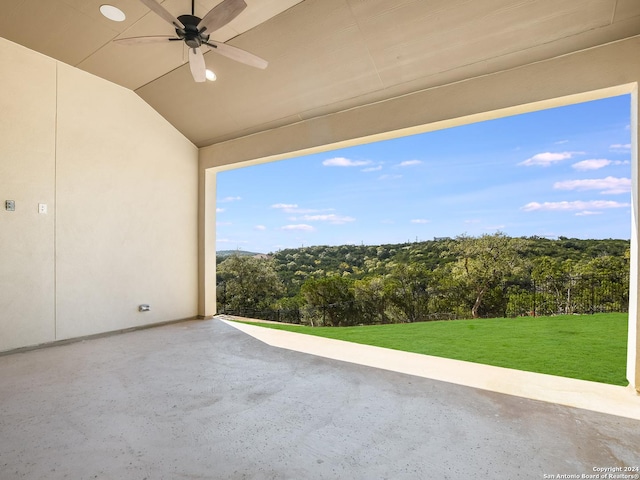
point(294, 265)
point(228, 253)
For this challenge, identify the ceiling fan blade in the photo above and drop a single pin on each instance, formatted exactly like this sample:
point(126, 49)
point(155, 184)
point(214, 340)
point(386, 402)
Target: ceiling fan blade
point(162, 12)
point(197, 65)
point(221, 14)
point(237, 54)
point(142, 40)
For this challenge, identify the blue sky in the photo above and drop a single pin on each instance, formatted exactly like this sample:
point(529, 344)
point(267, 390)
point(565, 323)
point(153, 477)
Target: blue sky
point(559, 172)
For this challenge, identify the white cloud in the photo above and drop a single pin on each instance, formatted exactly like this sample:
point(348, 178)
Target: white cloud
point(285, 206)
point(575, 205)
point(494, 227)
point(259, 227)
point(597, 163)
point(620, 146)
point(344, 162)
point(300, 227)
point(409, 163)
point(420, 220)
point(592, 164)
point(587, 212)
point(560, 142)
point(389, 177)
point(608, 185)
point(331, 218)
point(546, 159)
point(219, 210)
point(230, 199)
point(293, 208)
point(372, 169)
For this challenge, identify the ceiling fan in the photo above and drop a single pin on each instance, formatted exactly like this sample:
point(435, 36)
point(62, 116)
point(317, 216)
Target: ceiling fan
point(195, 31)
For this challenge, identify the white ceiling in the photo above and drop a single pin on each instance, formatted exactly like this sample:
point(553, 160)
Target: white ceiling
point(324, 55)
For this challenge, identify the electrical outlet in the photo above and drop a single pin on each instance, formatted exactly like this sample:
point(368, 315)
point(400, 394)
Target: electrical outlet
point(42, 208)
point(10, 205)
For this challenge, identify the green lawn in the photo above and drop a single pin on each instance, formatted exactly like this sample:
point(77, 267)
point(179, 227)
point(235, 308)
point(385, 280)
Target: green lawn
point(587, 347)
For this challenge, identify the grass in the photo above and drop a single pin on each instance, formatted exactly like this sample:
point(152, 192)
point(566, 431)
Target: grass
point(586, 347)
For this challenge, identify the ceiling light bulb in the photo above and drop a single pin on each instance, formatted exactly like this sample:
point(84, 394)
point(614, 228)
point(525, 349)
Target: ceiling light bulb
point(112, 13)
point(210, 75)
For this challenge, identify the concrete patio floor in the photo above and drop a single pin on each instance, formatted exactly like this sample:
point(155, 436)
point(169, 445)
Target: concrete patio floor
point(599, 397)
point(202, 399)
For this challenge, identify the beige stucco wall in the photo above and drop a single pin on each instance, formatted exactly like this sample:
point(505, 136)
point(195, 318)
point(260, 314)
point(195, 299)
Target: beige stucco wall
point(121, 187)
point(594, 73)
point(27, 175)
point(207, 244)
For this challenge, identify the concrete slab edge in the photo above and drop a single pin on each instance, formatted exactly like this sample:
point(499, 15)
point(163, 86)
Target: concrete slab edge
point(598, 397)
point(93, 336)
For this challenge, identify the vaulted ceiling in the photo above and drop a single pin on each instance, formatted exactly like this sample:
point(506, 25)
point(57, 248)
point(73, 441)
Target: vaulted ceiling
point(324, 55)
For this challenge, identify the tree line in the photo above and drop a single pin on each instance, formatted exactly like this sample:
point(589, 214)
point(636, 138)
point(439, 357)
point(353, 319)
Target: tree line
point(464, 277)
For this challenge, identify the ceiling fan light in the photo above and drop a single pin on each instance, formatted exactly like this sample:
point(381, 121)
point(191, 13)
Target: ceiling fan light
point(210, 75)
point(112, 13)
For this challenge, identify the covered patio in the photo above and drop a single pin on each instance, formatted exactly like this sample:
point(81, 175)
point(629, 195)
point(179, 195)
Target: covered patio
point(108, 165)
point(205, 400)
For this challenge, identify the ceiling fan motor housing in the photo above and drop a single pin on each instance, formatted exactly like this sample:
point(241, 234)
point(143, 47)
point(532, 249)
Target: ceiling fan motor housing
point(191, 36)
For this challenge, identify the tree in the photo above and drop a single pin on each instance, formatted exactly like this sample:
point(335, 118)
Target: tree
point(408, 289)
point(604, 265)
point(371, 299)
point(602, 284)
point(547, 267)
point(331, 300)
point(485, 262)
point(248, 283)
point(289, 309)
